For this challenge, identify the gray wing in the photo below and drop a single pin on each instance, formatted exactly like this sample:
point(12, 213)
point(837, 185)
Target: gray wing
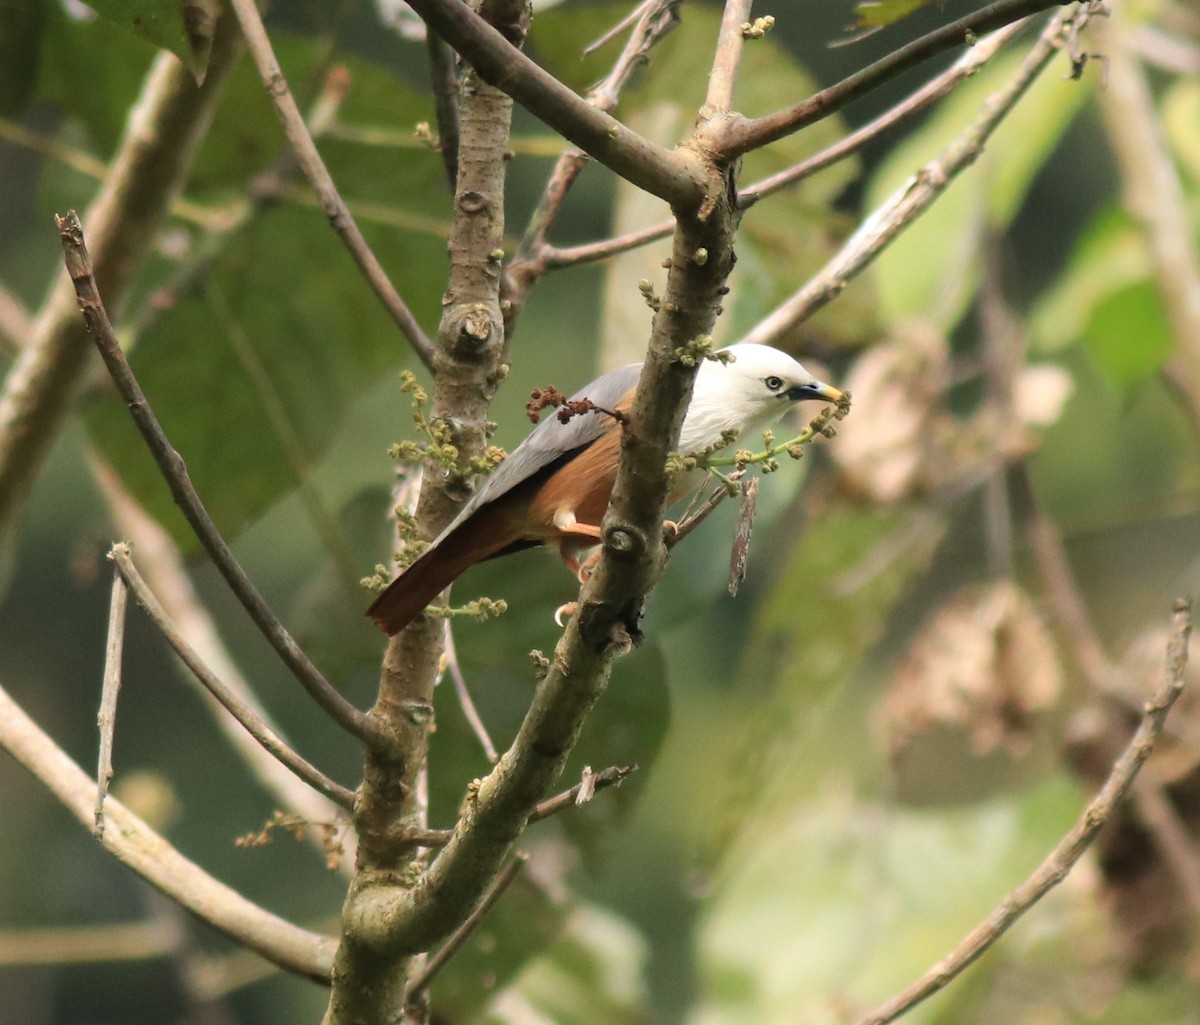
point(551, 440)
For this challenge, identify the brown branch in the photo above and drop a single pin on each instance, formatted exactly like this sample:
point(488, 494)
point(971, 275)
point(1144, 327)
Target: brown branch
point(470, 712)
point(106, 720)
point(230, 701)
point(613, 776)
point(122, 941)
point(150, 166)
point(534, 257)
point(935, 89)
point(139, 847)
point(932, 91)
point(319, 177)
point(727, 57)
point(659, 171)
point(161, 562)
point(444, 80)
point(735, 138)
point(1171, 837)
point(1058, 863)
point(1155, 196)
point(916, 195)
point(441, 957)
point(174, 471)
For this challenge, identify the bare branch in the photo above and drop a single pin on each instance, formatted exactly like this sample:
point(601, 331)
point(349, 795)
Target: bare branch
point(169, 121)
point(136, 845)
point(79, 266)
point(438, 960)
point(454, 668)
point(659, 171)
point(106, 720)
point(1155, 196)
point(124, 941)
point(727, 56)
point(918, 193)
point(611, 777)
point(936, 88)
point(239, 709)
point(162, 564)
point(1070, 849)
point(444, 80)
point(318, 175)
point(1171, 837)
point(735, 138)
point(932, 91)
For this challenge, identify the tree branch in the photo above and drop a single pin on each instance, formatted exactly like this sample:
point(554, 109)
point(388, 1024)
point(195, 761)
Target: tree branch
point(444, 81)
point(735, 138)
point(1072, 846)
point(727, 56)
point(661, 172)
point(162, 564)
point(318, 175)
point(136, 845)
point(916, 195)
point(230, 701)
point(1155, 196)
point(932, 91)
point(167, 124)
point(106, 720)
point(79, 267)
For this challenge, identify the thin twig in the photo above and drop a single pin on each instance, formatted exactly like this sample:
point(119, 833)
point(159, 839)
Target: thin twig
point(441, 957)
point(739, 554)
point(610, 777)
point(654, 19)
point(454, 667)
point(1154, 194)
point(239, 709)
point(161, 561)
point(727, 56)
point(106, 720)
point(932, 91)
point(738, 137)
point(149, 168)
point(1058, 863)
point(89, 944)
point(319, 177)
point(444, 80)
point(662, 172)
point(916, 195)
point(139, 847)
point(174, 471)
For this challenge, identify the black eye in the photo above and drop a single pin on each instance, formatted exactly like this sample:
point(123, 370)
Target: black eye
point(773, 383)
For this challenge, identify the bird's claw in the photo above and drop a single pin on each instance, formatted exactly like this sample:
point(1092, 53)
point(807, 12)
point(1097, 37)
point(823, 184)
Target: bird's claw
point(567, 609)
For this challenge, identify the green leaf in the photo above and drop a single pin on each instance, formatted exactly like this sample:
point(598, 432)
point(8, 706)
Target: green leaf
point(183, 28)
point(1111, 256)
point(302, 315)
point(930, 270)
point(1128, 336)
point(879, 13)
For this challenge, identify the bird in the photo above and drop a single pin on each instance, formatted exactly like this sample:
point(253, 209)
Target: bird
point(553, 489)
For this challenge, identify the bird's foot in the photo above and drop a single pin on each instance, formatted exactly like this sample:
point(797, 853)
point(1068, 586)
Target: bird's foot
point(565, 610)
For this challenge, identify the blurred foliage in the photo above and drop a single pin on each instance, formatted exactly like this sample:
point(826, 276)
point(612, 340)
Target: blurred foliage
point(842, 770)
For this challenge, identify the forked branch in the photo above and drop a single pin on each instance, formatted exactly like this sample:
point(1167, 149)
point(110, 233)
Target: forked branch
point(174, 471)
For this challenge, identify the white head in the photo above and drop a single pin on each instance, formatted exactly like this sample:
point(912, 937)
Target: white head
point(757, 387)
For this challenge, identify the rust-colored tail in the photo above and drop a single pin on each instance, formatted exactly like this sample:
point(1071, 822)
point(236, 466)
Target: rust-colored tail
point(406, 597)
